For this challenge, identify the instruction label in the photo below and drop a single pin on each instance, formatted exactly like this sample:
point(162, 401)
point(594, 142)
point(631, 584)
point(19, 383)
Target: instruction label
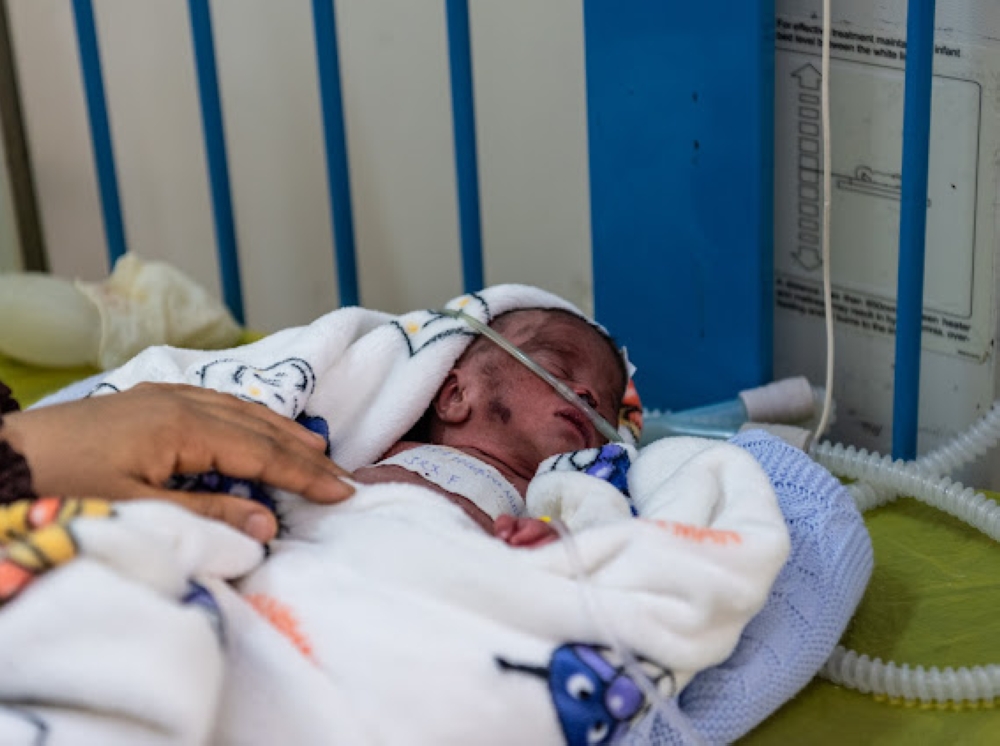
point(867, 93)
point(879, 45)
point(863, 312)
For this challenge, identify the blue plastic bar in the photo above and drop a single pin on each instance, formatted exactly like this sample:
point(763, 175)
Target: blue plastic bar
point(466, 166)
point(913, 225)
point(338, 173)
point(100, 129)
point(680, 112)
point(215, 152)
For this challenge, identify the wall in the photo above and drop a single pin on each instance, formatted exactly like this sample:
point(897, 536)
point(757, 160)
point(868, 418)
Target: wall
point(531, 130)
point(10, 251)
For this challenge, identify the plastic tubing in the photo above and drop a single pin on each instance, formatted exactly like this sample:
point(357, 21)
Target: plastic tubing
point(880, 480)
point(965, 447)
point(962, 449)
point(604, 427)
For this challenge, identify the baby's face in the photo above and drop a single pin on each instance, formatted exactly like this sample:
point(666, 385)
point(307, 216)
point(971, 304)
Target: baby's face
point(521, 413)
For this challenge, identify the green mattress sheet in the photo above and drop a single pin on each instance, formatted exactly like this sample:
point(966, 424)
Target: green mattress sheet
point(934, 599)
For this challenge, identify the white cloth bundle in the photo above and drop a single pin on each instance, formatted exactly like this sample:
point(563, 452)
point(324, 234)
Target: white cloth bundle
point(391, 617)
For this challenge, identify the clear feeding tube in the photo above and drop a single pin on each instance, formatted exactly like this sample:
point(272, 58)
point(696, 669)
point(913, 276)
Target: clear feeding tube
point(880, 480)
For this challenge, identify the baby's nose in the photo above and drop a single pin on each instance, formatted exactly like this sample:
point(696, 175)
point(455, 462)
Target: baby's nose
point(586, 394)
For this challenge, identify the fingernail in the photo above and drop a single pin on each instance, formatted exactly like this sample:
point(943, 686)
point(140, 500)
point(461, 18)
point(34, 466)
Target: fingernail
point(335, 488)
point(258, 526)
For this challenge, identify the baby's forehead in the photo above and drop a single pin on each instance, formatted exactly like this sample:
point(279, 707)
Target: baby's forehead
point(538, 325)
point(559, 331)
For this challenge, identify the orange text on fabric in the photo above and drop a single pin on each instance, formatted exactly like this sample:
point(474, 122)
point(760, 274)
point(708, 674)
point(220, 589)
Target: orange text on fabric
point(700, 534)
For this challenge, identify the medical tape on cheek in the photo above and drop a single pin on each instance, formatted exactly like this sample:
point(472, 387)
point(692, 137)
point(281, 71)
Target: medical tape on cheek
point(603, 426)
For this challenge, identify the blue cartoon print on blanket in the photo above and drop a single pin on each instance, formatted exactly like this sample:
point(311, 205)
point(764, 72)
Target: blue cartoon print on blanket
point(421, 329)
point(596, 700)
point(213, 481)
point(610, 462)
point(200, 597)
point(316, 424)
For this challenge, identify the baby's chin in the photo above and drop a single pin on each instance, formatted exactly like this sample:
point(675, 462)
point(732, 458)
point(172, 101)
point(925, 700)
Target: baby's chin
point(564, 441)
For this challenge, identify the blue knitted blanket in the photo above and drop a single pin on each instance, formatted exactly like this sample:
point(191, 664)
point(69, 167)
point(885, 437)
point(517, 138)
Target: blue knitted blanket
point(808, 609)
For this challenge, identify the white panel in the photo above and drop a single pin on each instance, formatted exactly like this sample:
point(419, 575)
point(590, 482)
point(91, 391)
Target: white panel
point(958, 373)
point(531, 121)
point(394, 66)
point(156, 129)
point(268, 81)
point(48, 67)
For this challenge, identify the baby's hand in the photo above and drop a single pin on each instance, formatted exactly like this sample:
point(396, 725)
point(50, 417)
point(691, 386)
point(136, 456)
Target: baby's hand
point(523, 532)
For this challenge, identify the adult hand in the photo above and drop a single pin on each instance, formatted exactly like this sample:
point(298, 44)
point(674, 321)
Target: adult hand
point(127, 445)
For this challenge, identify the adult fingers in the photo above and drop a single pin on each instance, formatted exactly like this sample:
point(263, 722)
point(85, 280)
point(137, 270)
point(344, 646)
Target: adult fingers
point(270, 459)
point(243, 440)
point(244, 515)
point(206, 403)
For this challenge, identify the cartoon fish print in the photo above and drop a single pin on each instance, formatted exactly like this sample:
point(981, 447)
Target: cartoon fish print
point(596, 698)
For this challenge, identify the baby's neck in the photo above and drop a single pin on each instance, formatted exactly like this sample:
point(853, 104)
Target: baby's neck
point(517, 480)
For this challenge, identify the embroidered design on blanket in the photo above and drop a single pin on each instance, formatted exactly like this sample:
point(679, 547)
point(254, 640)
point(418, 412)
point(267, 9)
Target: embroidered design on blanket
point(283, 619)
point(423, 328)
point(595, 698)
point(609, 463)
point(28, 727)
point(283, 387)
point(35, 537)
point(104, 388)
point(700, 534)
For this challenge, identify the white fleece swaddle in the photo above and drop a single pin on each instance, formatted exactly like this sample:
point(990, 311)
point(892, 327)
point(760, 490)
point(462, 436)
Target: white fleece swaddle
point(392, 618)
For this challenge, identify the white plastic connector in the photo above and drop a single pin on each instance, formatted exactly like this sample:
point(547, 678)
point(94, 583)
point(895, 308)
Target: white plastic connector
point(787, 400)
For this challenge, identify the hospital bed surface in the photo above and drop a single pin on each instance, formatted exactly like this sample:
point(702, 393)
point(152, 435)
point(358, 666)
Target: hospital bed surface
point(30, 383)
point(934, 599)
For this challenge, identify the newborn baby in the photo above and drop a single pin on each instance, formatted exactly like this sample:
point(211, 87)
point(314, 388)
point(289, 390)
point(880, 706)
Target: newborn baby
point(507, 420)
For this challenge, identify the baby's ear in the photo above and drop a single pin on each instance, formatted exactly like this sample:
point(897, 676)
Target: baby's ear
point(451, 404)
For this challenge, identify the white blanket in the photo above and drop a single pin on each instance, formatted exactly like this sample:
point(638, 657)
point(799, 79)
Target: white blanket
point(390, 618)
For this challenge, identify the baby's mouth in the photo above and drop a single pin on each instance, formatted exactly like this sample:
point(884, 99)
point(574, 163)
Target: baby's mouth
point(579, 421)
